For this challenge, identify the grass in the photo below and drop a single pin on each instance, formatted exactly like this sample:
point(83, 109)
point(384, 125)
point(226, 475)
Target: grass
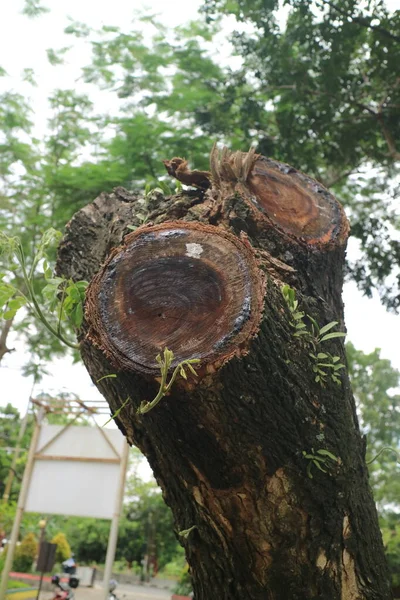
point(13, 584)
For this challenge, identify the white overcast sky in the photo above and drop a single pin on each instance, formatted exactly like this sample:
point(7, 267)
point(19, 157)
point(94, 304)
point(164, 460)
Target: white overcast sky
point(23, 44)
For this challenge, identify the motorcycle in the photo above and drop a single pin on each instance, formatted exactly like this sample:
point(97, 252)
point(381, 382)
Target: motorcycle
point(64, 591)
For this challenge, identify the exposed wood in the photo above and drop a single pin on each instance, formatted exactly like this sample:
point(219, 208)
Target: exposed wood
point(178, 168)
point(280, 197)
point(188, 286)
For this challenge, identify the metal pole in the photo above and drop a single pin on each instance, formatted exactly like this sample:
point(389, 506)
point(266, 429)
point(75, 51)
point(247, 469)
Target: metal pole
point(113, 537)
point(21, 505)
point(17, 450)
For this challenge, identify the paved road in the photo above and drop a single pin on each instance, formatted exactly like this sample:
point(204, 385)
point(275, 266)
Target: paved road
point(124, 592)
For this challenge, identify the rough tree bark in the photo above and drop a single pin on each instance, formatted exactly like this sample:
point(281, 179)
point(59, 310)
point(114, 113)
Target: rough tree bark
point(204, 278)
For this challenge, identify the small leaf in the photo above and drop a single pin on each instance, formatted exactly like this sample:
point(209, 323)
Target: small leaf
point(322, 355)
point(168, 356)
point(327, 327)
point(186, 532)
point(298, 315)
point(110, 376)
point(316, 463)
point(117, 411)
point(73, 292)
point(77, 315)
point(315, 324)
point(330, 336)
point(325, 452)
point(182, 373)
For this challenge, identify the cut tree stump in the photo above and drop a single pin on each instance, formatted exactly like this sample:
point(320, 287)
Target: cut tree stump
point(235, 449)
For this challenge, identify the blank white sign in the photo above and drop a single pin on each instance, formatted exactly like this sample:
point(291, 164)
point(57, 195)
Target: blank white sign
point(83, 487)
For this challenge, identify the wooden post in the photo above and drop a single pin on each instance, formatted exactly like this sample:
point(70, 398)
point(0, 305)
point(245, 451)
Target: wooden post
point(113, 536)
point(21, 505)
point(17, 450)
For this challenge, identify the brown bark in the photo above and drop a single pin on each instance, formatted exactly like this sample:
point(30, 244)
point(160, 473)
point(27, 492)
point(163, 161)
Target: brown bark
point(5, 330)
point(228, 449)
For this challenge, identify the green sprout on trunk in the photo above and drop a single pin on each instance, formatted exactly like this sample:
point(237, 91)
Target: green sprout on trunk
point(322, 459)
point(325, 364)
point(165, 363)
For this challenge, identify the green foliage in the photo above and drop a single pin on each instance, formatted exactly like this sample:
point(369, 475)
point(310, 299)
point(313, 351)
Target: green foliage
point(13, 584)
point(10, 424)
point(304, 91)
point(322, 459)
point(88, 538)
point(118, 410)
point(184, 533)
point(319, 89)
point(25, 554)
point(390, 526)
point(314, 335)
point(28, 75)
point(56, 58)
point(34, 8)
point(375, 385)
point(184, 586)
point(165, 364)
point(12, 298)
point(63, 550)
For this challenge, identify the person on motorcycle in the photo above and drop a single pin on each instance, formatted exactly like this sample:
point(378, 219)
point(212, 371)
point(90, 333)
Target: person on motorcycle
point(69, 565)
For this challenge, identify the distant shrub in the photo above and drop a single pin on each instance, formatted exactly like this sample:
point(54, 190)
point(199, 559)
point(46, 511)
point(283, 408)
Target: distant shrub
point(25, 554)
point(63, 551)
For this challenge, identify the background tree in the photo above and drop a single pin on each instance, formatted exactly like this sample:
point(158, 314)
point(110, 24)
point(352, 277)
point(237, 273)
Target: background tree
point(375, 383)
point(320, 90)
point(26, 553)
point(10, 424)
point(63, 550)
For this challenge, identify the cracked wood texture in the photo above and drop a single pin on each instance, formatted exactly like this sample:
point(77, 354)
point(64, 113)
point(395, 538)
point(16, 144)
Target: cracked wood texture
point(203, 277)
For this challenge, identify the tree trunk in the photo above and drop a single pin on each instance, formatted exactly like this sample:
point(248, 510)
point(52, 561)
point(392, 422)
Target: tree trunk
point(260, 460)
